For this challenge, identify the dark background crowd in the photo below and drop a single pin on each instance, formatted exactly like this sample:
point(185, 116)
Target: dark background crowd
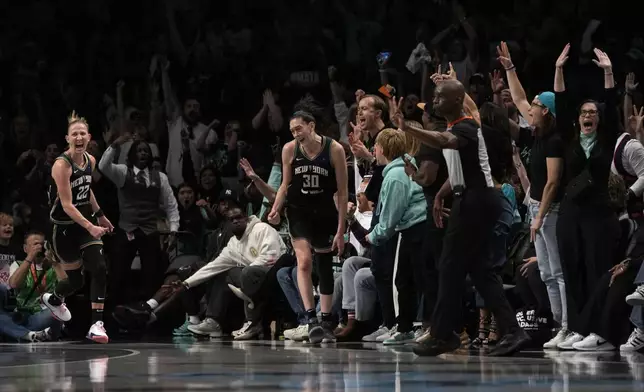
point(130, 67)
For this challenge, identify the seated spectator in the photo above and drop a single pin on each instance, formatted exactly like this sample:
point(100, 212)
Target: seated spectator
point(530, 287)
point(36, 275)
point(359, 299)
point(186, 259)
point(210, 188)
point(8, 249)
point(254, 243)
point(287, 279)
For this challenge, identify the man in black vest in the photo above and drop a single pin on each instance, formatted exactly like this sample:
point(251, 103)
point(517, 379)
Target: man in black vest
point(141, 190)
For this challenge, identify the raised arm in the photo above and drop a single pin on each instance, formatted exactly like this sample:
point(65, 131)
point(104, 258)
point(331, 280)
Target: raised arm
point(565, 117)
point(560, 85)
point(516, 89)
point(611, 116)
point(115, 172)
point(631, 87)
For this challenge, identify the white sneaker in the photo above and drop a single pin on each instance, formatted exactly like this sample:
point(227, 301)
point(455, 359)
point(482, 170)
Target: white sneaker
point(572, 338)
point(36, 336)
point(243, 329)
point(593, 342)
point(208, 327)
point(299, 334)
point(559, 337)
point(372, 337)
point(422, 335)
point(388, 335)
point(61, 313)
point(637, 297)
point(634, 343)
point(97, 333)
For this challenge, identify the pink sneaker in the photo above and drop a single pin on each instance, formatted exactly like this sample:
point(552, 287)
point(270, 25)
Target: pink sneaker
point(61, 313)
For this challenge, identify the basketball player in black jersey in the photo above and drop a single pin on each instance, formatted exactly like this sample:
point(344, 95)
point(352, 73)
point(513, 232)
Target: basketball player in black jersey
point(314, 170)
point(79, 225)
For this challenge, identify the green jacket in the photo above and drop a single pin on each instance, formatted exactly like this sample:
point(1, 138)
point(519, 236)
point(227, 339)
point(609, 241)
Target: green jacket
point(28, 299)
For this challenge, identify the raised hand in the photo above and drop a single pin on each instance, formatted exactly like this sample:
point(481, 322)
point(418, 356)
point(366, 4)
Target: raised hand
point(248, 169)
point(359, 95)
point(504, 56)
point(357, 132)
point(395, 112)
point(451, 73)
point(603, 61)
point(636, 120)
point(496, 82)
point(630, 84)
point(563, 57)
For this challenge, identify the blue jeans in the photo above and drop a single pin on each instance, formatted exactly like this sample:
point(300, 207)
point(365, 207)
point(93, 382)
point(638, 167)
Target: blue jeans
point(31, 322)
point(287, 279)
point(549, 261)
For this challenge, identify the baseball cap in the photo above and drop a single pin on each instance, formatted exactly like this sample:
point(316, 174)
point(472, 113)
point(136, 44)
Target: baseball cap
point(229, 194)
point(547, 99)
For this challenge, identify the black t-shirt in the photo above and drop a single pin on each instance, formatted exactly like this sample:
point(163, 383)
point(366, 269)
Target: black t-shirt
point(524, 143)
point(468, 165)
point(547, 146)
point(433, 155)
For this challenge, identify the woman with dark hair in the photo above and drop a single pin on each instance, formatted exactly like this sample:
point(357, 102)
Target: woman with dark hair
point(314, 182)
point(546, 171)
point(210, 186)
point(588, 229)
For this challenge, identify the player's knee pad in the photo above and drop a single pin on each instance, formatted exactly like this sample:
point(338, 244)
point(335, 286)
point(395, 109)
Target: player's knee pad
point(97, 287)
point(74, 281)
point(94, 261)
point(325, 273)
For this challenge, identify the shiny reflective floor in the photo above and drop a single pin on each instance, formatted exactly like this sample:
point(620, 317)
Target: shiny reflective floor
point(272, 366)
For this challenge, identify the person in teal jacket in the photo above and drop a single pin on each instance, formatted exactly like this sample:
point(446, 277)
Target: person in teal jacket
point(402, 209)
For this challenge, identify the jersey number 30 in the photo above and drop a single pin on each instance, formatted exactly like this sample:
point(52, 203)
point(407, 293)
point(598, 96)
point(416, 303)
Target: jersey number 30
point(311, 181)
point(82, 192)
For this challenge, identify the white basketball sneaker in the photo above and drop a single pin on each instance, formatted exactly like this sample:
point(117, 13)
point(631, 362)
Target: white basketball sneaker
point(97, 333)
point(61, 312)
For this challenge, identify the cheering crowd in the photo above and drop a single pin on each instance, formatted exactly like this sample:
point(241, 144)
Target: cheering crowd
point(379, 216)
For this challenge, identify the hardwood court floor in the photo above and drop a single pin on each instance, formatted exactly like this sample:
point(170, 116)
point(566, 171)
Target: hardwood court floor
point(286, 366)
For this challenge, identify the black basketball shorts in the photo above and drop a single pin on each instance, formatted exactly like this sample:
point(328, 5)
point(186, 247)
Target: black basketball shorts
point(317, 226)
point(68, 242)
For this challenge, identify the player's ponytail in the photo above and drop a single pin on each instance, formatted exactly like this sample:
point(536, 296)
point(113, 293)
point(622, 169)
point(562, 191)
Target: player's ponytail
point(309, 110)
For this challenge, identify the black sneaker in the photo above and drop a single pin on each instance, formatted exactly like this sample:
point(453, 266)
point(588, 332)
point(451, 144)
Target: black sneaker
point(510, 344)
point(136, 315)
point(433, 347)
point(316, 333)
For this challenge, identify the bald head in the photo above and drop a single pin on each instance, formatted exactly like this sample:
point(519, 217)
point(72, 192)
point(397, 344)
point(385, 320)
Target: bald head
point(448, 98)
